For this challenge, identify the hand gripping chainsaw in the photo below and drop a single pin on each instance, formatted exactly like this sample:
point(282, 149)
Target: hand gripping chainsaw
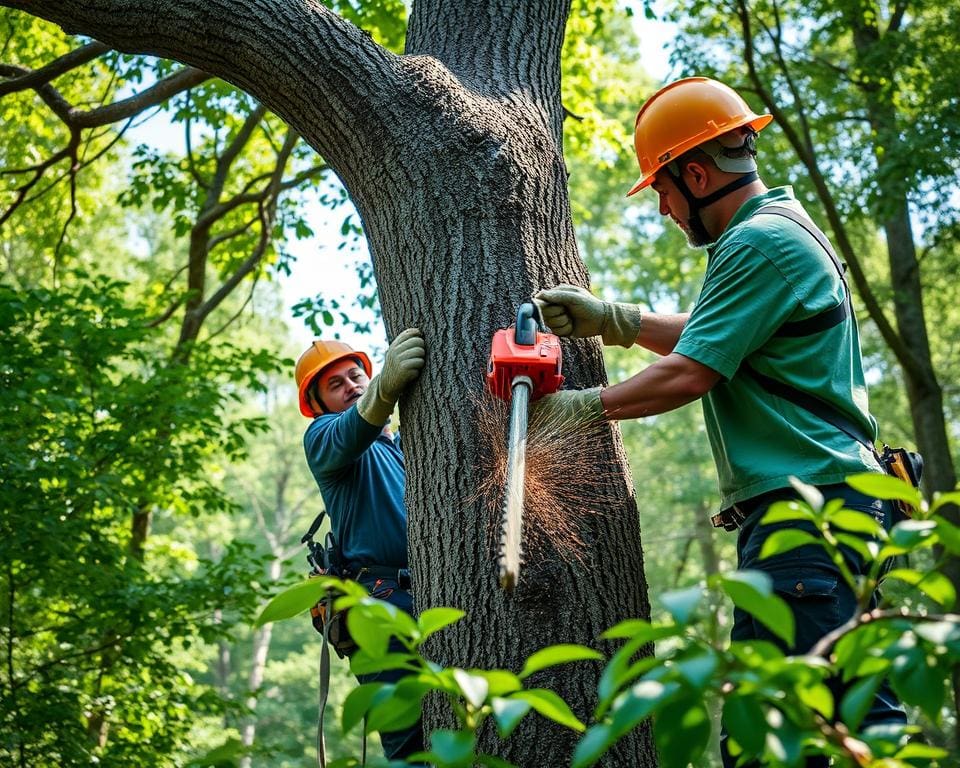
point(524, 365)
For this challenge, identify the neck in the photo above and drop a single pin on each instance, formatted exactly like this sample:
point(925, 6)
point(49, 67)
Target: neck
point(717, 216)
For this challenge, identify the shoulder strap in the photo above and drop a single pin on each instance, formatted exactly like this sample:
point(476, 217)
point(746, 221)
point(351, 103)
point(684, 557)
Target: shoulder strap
point(831, 317)
point(810, 403)
point(808, 327)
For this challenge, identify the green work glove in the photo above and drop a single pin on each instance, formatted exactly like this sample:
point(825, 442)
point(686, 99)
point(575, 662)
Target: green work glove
point(403, 363)
point(568, 408)
point(575, 312)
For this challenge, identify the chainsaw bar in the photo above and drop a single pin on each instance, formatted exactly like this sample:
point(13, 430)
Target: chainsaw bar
point(511, 534)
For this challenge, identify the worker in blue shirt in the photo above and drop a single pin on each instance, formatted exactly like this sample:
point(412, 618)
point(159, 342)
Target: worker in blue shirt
point(357, 463)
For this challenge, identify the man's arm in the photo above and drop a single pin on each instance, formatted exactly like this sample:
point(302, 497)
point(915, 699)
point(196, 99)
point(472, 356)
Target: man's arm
point(660, 333)
point(335, 441)
point(673, 381)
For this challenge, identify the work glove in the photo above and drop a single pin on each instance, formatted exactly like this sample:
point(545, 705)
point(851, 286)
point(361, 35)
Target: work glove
point(568, 408)
point(575, 312)
point(402, 365)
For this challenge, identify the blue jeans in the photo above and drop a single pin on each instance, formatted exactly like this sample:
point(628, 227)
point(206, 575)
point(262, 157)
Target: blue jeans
point(397, 745)
point(813, 588)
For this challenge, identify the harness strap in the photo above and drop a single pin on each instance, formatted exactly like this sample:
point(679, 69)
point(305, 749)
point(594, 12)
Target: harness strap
point(830, 317)
point(324, 686)
point(808, 327)
point(325, 692)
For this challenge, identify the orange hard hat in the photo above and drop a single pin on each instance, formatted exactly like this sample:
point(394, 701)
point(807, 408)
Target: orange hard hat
point(318, 356)
point(683, 115)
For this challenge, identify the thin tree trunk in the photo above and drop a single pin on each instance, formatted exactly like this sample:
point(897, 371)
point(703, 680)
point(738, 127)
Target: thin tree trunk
point(261, 648)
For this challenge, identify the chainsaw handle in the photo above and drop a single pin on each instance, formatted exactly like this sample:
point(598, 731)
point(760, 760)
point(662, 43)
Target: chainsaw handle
point(527, 323)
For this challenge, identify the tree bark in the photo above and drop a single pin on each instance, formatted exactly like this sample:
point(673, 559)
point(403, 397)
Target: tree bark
point(452, 155)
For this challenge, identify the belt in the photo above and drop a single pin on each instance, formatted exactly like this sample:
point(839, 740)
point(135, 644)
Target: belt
point(731, 518)
point(399, 575)
point(734, 516)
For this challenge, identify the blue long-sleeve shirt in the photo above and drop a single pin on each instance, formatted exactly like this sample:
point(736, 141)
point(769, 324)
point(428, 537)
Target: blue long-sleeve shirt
point(361, 477)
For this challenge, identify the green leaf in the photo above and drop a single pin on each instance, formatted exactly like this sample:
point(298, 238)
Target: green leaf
point(373, 622)
point(508, 713)
point(494, 762)
point(856, 522)
point(948, 534)
point(551, 706)
point(365, 663)
point(858, 700)
point(917, 679)
point(938, 632)
point(222, 756)
point(594, 744)
point(698, 668)
point(453, 747)
point(817, 697)
point(500, 681)
point(681, 731)
point(784, 741)
point(911, 534)
point(751, 591)
point(557, 654)
point(885, 487)
point(914, 751)
point(618, 671)
point(786, 539)
point(682, 603)
point(745, 722)
point(932, 583)
point(639, 702)
point(394, 711)
point(474, 687)
point(434, 619)
point(641, 630)
point(357, 703)
point(785, 511)
point(293, 601)
point(939, 499)
point(809, 493)
point(866, 549)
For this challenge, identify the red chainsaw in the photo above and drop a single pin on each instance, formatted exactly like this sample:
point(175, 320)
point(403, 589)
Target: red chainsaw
point(524, 365)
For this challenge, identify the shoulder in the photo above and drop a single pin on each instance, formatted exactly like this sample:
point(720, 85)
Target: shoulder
point(322, 428)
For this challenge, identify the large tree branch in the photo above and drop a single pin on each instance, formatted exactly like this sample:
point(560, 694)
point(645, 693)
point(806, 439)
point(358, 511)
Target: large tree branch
point(158, 93)
point(37, 77)
point(320, 73)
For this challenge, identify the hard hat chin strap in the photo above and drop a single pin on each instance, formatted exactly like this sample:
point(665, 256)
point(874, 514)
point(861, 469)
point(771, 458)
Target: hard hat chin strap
point(698, 203)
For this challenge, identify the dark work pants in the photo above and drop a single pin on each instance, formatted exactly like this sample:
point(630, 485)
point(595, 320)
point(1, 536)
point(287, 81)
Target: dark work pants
point(812, 587)
point(397, 745)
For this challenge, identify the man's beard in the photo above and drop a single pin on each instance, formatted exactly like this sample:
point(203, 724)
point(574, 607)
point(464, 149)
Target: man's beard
point(697, 235)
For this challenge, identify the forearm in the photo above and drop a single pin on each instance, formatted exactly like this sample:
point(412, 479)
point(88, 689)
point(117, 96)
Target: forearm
point(669, 383)
point(659, 333)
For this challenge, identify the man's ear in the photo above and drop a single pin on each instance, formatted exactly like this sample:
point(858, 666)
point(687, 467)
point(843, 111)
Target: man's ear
point(697, 176)
point(313, 400)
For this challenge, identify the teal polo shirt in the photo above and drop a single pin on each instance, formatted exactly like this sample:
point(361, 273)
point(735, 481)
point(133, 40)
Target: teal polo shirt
point(763, 271)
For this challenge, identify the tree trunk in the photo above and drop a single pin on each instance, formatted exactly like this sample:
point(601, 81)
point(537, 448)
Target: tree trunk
point(923, 389)
point(453, 157)
point(261, 648)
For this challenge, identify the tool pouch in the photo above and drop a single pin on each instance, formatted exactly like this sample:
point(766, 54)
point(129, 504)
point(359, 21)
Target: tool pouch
point(906, 465)
point(333, 625)
point(326, 561)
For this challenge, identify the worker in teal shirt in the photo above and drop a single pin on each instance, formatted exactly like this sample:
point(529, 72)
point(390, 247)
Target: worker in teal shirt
point(357, 463)
point(771, 330)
